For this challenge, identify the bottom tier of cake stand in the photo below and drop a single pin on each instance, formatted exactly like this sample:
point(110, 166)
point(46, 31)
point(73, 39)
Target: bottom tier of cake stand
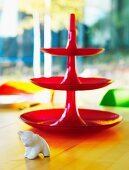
point(93, 119)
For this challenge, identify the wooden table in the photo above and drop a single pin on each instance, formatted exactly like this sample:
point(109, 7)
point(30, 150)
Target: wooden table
point(108, 149)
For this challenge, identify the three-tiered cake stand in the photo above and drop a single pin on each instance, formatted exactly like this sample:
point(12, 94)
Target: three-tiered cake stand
point(71, 117)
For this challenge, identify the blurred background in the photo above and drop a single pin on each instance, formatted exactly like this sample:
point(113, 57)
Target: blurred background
point(26, 26)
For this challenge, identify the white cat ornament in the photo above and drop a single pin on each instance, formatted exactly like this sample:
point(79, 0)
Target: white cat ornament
point(34, 144)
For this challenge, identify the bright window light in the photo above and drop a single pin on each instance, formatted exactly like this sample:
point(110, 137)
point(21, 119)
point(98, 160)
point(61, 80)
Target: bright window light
point(8, 22)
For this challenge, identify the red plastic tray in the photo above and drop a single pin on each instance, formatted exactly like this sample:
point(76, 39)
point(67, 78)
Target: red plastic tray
point(75, 52)
point(84, 84)
point(45, 119)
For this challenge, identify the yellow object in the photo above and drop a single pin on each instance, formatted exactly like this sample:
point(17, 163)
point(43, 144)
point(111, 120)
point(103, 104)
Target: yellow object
point(26, 86)
point(12, 88)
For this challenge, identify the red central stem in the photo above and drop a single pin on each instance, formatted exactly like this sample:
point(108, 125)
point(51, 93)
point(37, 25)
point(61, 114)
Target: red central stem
point(71, 74)
point(70, 116)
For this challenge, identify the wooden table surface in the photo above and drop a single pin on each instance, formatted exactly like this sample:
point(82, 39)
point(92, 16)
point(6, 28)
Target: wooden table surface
point(108, 149)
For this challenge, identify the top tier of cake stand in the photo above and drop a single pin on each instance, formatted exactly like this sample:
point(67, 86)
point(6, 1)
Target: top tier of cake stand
point(71, 81)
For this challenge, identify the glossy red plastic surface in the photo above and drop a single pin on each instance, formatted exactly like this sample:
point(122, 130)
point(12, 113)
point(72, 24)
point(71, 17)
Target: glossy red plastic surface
point(84, 83)
point(45, 119)
point(71, 81)
point(71, 49)
point(76, 51)
point(71, 117)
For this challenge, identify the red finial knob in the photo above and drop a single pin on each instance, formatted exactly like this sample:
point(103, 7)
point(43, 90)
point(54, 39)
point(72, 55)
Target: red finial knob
point(72, 22)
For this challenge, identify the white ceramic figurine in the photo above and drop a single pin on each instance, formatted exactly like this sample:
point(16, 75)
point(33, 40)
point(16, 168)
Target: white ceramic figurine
point(34, 144)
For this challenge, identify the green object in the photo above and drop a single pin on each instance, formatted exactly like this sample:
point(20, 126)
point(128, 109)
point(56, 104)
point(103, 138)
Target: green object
point(116, 97)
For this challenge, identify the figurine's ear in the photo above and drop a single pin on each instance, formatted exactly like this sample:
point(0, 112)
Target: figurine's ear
point(20, 133)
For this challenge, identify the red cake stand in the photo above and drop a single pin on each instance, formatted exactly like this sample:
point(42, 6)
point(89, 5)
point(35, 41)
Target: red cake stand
point(71, 117)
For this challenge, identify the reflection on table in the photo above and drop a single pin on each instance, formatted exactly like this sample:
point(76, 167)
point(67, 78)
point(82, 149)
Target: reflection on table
point(107, 149)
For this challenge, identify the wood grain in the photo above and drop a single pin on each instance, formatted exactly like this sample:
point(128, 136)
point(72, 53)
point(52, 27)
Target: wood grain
point(105, 150)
